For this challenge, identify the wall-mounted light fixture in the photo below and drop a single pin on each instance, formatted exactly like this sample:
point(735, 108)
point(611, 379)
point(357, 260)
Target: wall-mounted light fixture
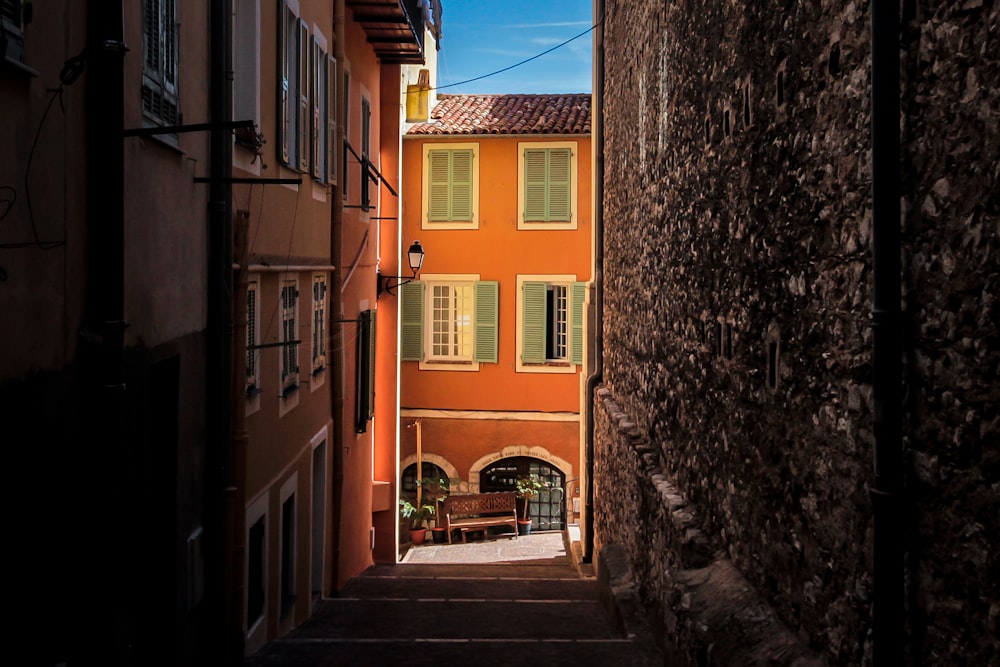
point(415, 255)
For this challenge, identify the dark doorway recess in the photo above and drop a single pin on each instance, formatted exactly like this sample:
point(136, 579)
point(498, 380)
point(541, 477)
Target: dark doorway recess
point(548, 510)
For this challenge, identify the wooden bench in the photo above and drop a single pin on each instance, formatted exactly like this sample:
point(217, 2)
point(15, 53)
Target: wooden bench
point(478, 511)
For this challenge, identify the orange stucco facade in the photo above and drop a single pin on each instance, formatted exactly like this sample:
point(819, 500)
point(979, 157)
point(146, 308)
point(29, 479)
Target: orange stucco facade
point(467, 418)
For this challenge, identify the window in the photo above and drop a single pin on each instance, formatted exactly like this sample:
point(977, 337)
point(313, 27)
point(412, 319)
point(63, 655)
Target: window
point(547, 189)
point(287, 555)
point(293, 89)
point(255, 573)
point(549, 323)
point(12, 33)
point(319, 324)
point(429, 470)
point(451, 186)
point(365, 384)
point(253, 333)
point(289, 336)
point(246, 68)
point(323, 106)
point(160, 60)
point(449, 322)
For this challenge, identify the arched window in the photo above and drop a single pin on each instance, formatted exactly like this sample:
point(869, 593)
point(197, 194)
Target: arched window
point(548, 509)
point(408, 483)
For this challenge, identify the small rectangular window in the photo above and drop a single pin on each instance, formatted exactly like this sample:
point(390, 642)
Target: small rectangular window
point(160, 103)
point(252, 333)
point(319, 324)
point(289, 334)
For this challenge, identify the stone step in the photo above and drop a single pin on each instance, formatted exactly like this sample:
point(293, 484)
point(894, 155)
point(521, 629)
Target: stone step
point(446, 587)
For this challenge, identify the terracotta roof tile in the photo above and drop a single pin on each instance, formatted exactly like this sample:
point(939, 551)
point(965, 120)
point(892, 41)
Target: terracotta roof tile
point(508, 114)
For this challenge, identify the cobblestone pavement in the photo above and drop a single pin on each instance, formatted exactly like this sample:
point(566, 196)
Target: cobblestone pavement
point(495, 602)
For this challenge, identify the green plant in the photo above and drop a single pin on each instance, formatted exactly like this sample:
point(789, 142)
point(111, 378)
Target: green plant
point(417, 515)
point(528, 487)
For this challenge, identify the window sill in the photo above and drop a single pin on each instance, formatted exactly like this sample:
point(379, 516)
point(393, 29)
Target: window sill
point(289, 390)
point(254, 391)
point(442, 365)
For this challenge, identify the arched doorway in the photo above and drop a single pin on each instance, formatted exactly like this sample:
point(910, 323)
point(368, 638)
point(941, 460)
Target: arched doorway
point(548, 510)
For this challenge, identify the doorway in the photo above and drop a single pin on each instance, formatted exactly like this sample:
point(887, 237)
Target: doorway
point(548, 509)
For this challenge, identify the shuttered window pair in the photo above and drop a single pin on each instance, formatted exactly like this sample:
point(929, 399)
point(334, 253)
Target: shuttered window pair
point(552, 322)
point(548, 185)
point(450, 180)
point(364, 404)
point(307, 99)
point(462, 320)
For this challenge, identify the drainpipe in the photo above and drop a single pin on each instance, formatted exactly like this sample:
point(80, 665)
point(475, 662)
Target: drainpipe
point(336, 325)
point(597, 369)
point(102, 337)
point(224, 477)
point(887, 576)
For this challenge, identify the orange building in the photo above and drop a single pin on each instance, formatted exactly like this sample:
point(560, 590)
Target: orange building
point(497, 189)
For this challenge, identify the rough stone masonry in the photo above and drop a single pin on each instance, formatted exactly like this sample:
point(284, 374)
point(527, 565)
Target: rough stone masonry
point(734, 426)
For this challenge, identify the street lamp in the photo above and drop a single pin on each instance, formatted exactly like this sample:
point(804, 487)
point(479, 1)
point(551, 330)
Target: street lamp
point(415, 256)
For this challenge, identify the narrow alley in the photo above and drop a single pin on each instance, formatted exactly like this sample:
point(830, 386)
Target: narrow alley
point(498, 601)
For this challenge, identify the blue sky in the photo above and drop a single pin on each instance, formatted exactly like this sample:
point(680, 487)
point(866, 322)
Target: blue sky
point(484, 36)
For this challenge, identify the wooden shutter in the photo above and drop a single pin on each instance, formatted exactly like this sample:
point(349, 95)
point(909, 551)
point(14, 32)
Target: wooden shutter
point(302, 140)
point(461, 185)
point(449, 195)
point(578, 297)
point(535, 185)
point(411, 321)
point(548, 184)
point(560, 189)
point(317, 129)
point(284, 85)
point(487, 310)
point(331, 121)
point(439, 185)
point(533, 322)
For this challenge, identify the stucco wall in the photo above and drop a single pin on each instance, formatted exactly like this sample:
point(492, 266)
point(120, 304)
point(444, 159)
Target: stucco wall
point(737, 335)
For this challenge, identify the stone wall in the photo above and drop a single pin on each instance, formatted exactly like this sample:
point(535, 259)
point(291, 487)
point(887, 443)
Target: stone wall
point(737, 341)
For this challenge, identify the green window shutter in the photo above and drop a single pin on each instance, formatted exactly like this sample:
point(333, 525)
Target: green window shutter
point(438, 175)
point(578, 297)
point(487, 310)
point(449, 174)
point(461, 185)
point(411, 321)
point(547, 184)
point(560, 168)
point(535, 185)
point(533, 322)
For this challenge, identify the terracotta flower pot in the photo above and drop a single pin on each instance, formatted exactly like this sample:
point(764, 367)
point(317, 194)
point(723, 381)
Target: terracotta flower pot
point(418, 535)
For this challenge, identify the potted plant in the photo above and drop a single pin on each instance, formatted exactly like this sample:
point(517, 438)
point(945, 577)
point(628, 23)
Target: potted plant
point(417, 516)
point(527, 487)
point(434, 491)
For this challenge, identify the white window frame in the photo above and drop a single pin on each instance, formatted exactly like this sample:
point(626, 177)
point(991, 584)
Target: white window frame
point(550, 366)
point(439, 362)
point(425, 185)
point(573, 223)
